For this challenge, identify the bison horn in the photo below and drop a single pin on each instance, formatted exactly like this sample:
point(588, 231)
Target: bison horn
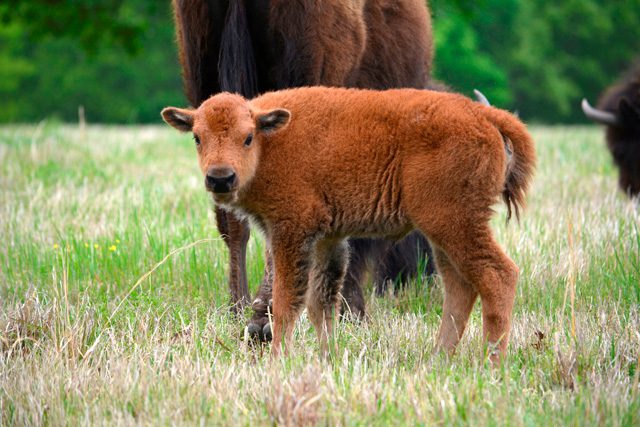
point(599, 116)
point(481, 98)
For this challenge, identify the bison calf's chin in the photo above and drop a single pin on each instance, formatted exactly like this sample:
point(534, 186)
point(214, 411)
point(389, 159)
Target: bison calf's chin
point(354, 163)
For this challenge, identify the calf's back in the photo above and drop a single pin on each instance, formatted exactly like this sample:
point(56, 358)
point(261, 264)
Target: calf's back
point(359, 156)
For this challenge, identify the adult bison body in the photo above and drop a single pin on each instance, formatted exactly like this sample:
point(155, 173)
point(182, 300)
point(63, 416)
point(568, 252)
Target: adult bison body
point(250, 47)
point(314, 166)
point(619, 110)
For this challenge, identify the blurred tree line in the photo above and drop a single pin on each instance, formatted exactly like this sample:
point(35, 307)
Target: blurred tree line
point(118, 58)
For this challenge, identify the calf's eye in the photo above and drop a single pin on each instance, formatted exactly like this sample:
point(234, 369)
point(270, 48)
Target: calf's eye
point(247, 142)
point(196, 139)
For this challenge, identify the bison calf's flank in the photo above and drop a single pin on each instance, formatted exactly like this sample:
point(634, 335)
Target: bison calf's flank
point(326, 164)
point(619, 110)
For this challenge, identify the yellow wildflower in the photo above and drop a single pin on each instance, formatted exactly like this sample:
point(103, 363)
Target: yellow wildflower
point(55, 246)
point(96, 246)
point(112, 248)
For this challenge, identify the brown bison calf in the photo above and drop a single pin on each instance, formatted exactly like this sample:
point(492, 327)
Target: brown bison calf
point(313, 166)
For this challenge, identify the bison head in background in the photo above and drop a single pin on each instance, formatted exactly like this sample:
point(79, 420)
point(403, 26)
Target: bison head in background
point(619, 110)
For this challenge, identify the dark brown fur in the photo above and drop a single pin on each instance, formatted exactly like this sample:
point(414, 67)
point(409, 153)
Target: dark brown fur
point(623, 140)
point(325, 164)
point(253, 47)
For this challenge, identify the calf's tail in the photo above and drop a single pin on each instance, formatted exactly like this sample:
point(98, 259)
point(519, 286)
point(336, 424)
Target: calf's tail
point(522, 161)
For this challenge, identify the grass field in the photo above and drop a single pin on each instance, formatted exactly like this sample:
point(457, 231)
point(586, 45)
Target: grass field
point(86, 336)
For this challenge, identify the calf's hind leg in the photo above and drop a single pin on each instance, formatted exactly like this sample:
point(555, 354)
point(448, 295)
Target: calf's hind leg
point(327, 275)
point(459, 298)
point(474, 254)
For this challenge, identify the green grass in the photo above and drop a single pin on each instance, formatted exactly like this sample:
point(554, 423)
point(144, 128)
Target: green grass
point(85, 215)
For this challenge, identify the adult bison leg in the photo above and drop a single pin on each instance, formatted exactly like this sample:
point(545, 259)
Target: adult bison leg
point(403, 260)
point(259, 327)
point(235, 233)
point(352, 297)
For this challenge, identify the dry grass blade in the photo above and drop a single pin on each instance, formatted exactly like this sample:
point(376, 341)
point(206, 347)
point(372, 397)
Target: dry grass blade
point(138, 282)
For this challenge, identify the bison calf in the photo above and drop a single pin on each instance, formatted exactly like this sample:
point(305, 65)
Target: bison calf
point(313, 166)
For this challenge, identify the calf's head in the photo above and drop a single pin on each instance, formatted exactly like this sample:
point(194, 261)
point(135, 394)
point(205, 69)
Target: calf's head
point(228, 133)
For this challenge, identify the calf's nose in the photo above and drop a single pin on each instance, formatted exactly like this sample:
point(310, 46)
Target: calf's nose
point(220, 180)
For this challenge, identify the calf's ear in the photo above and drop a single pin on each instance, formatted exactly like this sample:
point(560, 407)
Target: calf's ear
point(178, 118)
point(272, 120)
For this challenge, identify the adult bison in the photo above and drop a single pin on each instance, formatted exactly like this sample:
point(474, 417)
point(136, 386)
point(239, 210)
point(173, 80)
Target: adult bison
point(262, 45)
point(619, 110)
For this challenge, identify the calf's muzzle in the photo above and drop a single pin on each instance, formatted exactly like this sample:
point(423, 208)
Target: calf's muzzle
point(220, 179)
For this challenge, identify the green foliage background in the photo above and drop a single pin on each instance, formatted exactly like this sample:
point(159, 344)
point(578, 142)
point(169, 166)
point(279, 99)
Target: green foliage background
point(118, 59)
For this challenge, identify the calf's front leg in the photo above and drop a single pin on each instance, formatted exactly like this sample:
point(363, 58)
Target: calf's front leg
point(259, 327)
point(291, 263)
point(327, 275)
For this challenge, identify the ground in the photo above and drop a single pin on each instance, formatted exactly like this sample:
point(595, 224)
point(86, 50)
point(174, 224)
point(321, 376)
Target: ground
point(113, 301)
